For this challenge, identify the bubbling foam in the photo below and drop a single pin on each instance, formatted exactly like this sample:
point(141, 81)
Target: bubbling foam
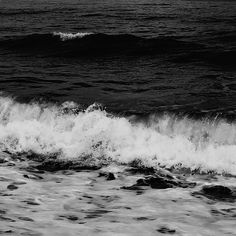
point(72, 133)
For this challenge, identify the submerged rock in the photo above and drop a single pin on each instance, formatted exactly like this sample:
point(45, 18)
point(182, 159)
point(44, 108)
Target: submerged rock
point(12, 187)
point(141, 170)
point(165, 230)
point(217, 192)
point(108, 175)
point(158, 182)
point(162, 182)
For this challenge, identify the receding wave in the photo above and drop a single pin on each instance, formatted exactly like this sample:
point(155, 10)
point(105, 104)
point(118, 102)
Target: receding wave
point(87, 43)
point(70, 133)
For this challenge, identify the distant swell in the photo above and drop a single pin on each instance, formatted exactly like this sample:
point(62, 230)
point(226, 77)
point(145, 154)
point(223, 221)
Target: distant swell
point(69, 133)
point(85, 44)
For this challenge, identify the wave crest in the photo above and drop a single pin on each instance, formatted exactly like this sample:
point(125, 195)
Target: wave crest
point(74, 134)
point(69, 36)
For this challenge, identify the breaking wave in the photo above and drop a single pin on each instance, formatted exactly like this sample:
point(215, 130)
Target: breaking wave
point(71, 133)
point(69, 36)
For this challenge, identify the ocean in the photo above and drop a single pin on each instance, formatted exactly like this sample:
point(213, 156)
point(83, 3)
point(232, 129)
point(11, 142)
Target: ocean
point(117, 117)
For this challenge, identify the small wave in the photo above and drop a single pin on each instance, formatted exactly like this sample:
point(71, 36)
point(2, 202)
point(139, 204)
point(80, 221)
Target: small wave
point(69, 36)
point(85, 44)
point(93, 134)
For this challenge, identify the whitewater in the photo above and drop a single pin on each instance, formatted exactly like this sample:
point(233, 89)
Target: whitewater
point(73, 133)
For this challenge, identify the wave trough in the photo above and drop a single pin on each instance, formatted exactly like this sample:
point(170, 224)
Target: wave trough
point(75, 134)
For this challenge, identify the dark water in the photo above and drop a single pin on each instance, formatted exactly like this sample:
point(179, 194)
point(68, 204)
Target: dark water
point(117, 117)
point(182, 59)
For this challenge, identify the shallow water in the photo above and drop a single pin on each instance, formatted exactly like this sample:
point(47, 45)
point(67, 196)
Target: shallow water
point(75, 203)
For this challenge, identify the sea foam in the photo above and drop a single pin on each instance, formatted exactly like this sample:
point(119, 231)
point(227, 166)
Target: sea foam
point(69, 36)
point(72, 133)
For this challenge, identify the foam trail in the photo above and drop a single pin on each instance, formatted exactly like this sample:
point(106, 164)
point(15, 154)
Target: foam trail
point(69, 36)
point(47, 129)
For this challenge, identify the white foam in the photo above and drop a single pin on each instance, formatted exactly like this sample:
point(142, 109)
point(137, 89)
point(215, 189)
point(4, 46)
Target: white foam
point(209, 145)
point(69, 36)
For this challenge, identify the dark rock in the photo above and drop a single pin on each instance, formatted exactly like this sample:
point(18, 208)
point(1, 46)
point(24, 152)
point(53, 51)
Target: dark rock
point(52, 165)
point(141, 170)
point(57, 165)
point(141, 182)
point(111, 176)
point(12, 187)
point(162, 182)
point(217, 192)
point(158, 182)
point(165, 230)
point(108, 175)
point(87, 196)
point(72, 218)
